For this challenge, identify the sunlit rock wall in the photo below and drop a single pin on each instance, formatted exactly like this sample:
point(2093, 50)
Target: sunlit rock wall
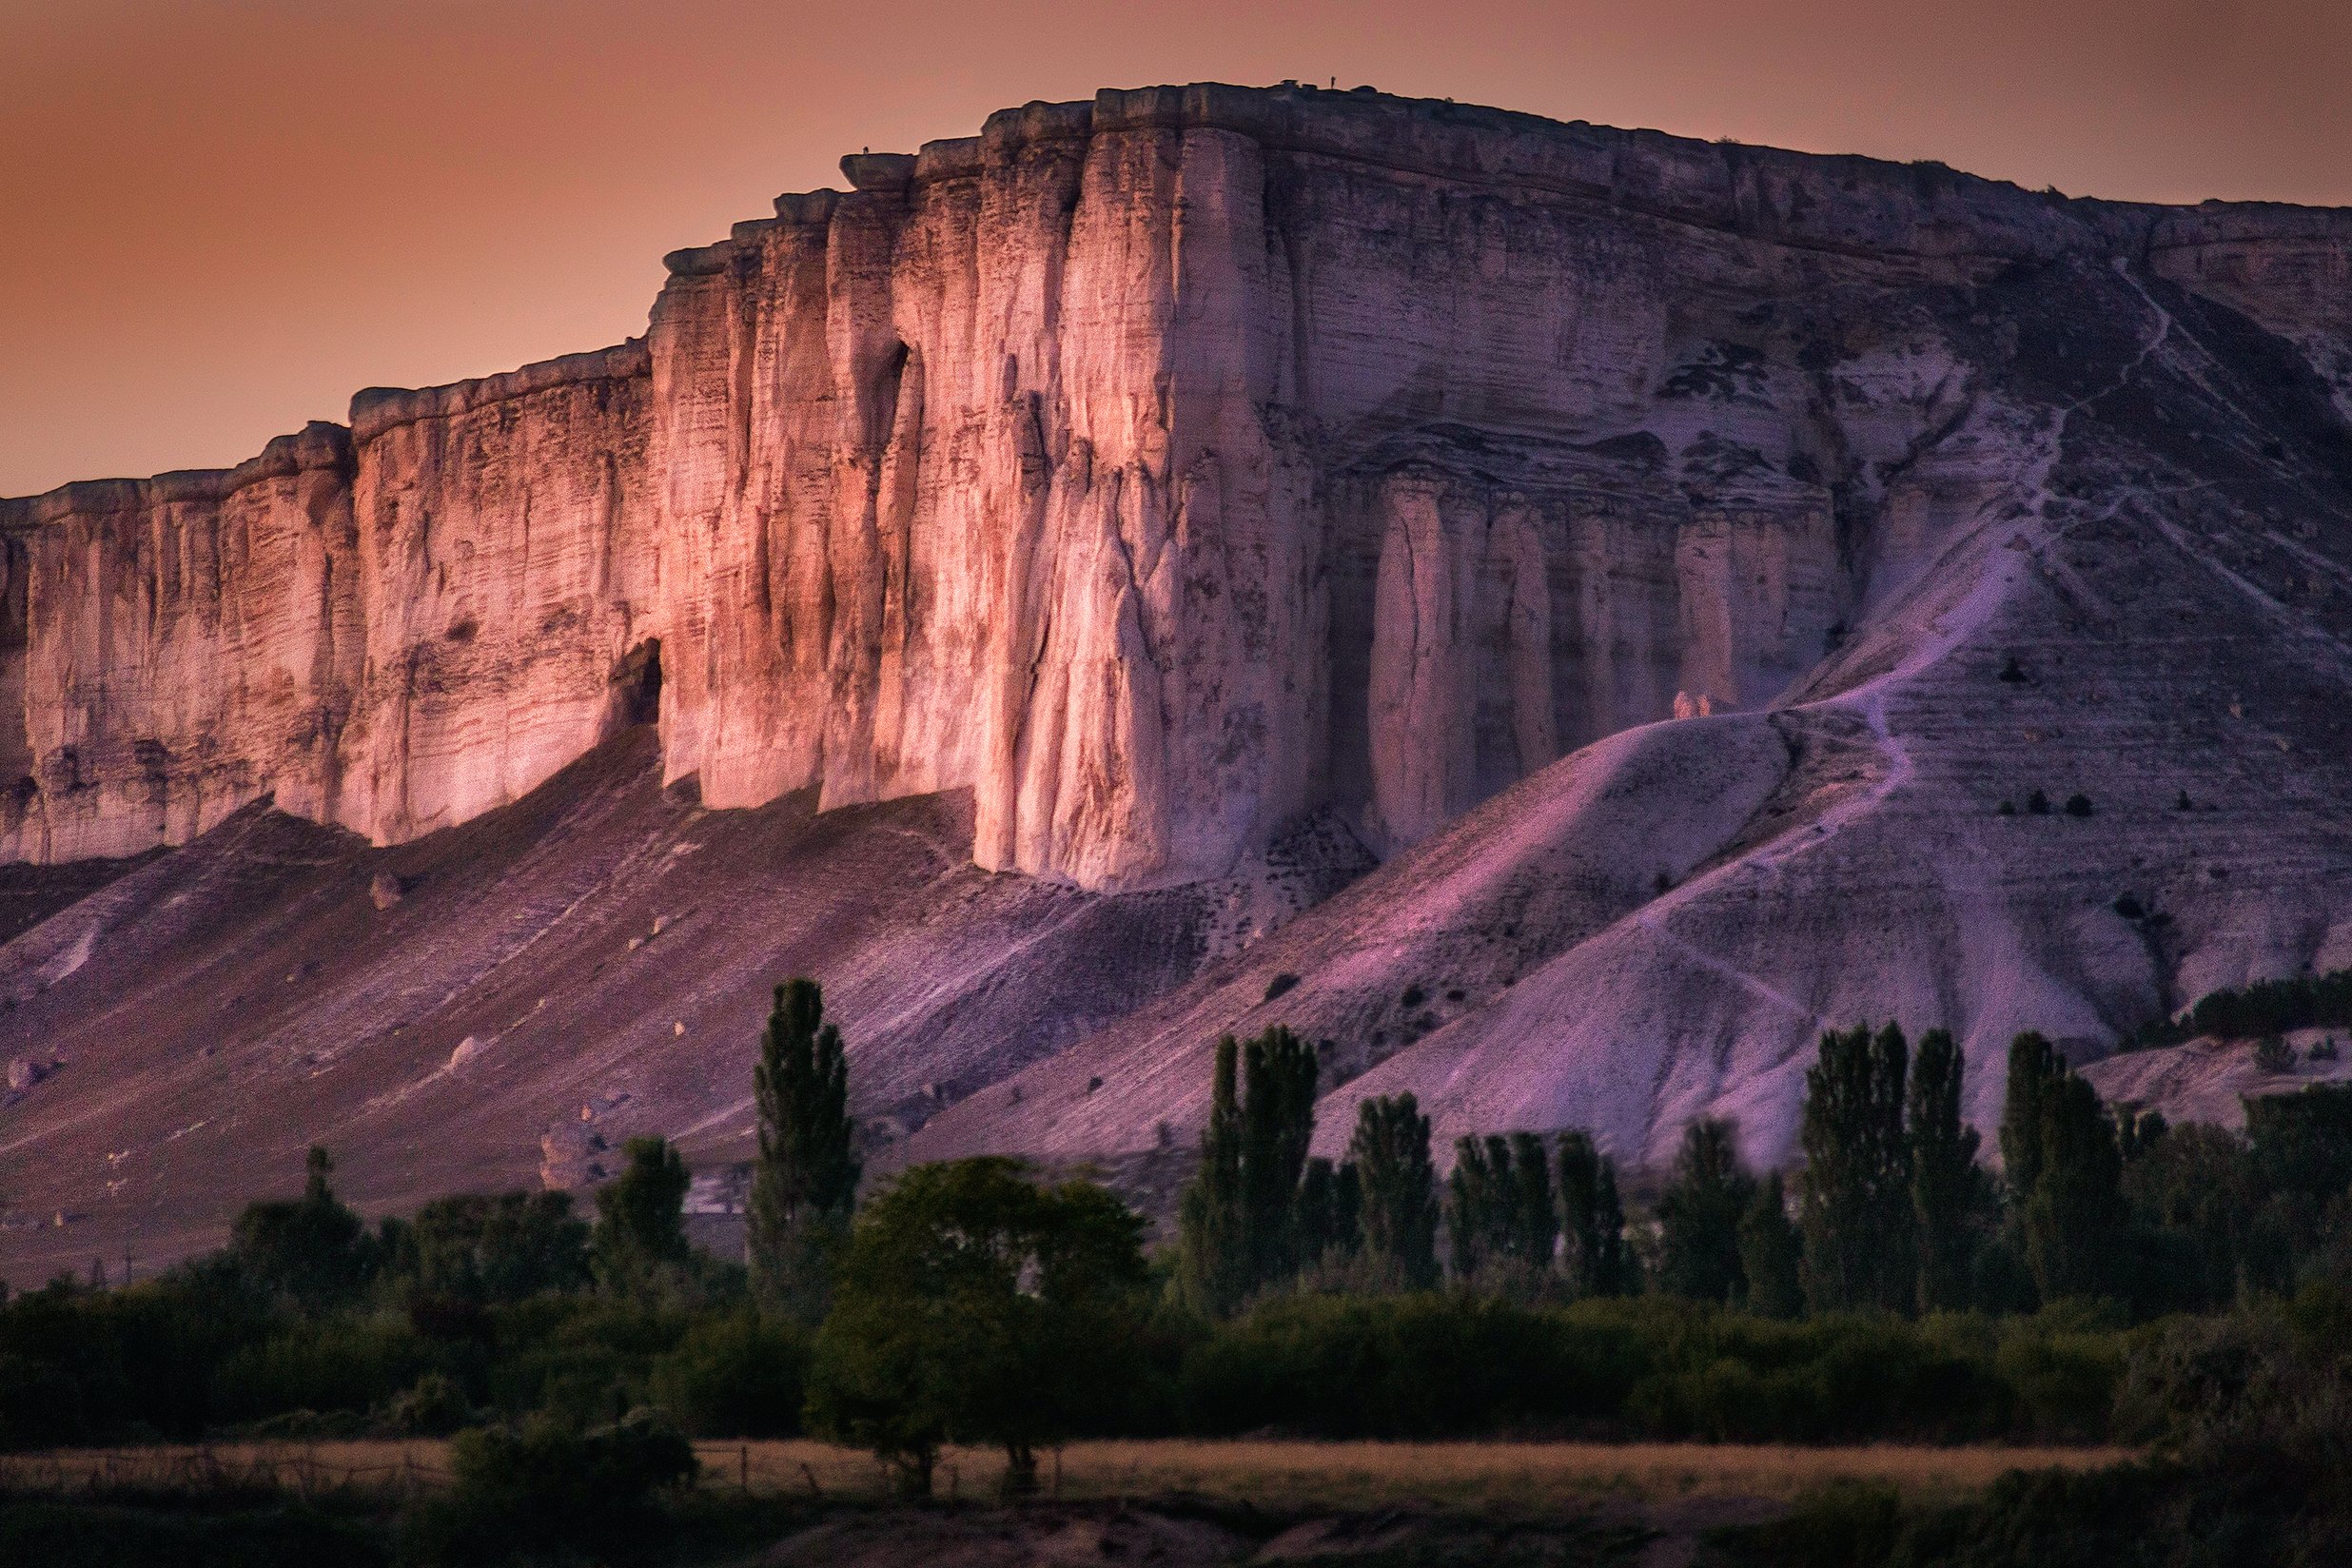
point(1161, 468)
point(176, 647)
point(505, 568)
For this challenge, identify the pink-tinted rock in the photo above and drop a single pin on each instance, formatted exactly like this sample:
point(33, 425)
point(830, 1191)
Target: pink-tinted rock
point(1161, 468)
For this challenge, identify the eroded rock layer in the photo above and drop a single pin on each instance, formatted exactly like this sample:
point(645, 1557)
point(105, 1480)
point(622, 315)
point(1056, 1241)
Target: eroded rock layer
point(1161, 468)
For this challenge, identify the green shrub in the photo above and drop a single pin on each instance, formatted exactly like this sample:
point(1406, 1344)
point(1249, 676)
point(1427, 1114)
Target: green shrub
point(1409, 1366)
point(736, 1377)
point(140, 1360)
point(2267, 1006)
point(476, 1247)
point(435, 1407)
point(584, 1358)
point(1850, 1378)
point(546, 1487)
point(2064, 1367)
point(337, 1364)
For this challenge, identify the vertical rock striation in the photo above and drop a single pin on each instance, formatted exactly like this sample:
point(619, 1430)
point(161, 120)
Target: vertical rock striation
point(175, 647)
point(1161, 468)
point(505, 567)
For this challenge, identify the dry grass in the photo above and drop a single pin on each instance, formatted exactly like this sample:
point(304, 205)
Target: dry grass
point(310, 1467)
point(1272, 1475)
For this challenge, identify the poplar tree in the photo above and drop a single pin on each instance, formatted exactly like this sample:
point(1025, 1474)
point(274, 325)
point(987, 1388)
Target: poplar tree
point(1700, 1215)
point(1592, 1218)
point(2034, 1067)
point(1856, 1213)
point(1330, 1213)
point(1240, 1224)
point(1535, 1224)
point(805, 1185)
point(1771, 1255)
point(1948, 1190)
point(1615, 1270)
point(2076, 1218)
point(1213, 1264)
point(1501, 1225)
point(1278, 1121)
point(1475, 1214)
point(1391, 1153)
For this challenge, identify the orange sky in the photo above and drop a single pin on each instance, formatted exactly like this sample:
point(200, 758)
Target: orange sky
point(218, 218)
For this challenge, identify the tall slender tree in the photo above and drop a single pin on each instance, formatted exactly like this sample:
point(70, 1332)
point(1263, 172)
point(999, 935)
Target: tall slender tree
point(805, 1184)
point(2075, 1221)
point(1856, 1203)
point(1391, 1153)
point(1699, 1214)
point(1212, 1259)
point(1473, 1215)
point(1771, 1256)
point(2034, 1067)
point(1278, 1121)
point(1616, 1271)
point(1330, 1213)
point(1241, 1223)
point(1501, 1225)
point(1592, 1218)
point(1535, 1223)
point(1948, 1189)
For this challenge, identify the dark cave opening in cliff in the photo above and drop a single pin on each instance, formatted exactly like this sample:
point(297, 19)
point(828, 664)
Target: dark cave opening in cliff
point(634, 690)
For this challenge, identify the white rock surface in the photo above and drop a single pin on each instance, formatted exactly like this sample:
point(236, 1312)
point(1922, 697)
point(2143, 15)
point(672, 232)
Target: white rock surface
point(1193, 468)
point(1162, 467)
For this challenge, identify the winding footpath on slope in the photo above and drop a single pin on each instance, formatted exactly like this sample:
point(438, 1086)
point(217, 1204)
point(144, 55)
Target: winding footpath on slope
point(1948, 631)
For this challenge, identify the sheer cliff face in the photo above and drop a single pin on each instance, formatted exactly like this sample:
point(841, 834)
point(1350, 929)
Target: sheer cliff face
point(175, 647)
point(982, 475)
point(1161, 468)
point(503, 554)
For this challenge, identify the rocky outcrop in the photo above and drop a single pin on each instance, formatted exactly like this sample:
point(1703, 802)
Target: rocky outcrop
point(1163, 468)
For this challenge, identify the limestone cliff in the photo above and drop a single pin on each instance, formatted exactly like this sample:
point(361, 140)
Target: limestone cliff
point(1161, 468)
point(1192, 495)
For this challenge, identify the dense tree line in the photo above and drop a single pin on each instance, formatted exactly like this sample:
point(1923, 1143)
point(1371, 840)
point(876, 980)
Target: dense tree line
point(2253, 1011)
point(1890, 1286)
point(1891, 1209)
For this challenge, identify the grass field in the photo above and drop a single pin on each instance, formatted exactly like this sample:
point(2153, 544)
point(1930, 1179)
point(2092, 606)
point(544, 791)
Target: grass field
point(1276, 1475)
